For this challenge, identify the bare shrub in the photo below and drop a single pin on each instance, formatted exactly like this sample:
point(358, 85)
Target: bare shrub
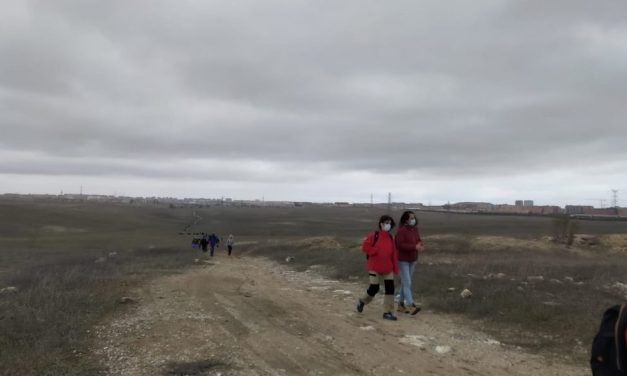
point(564, 229)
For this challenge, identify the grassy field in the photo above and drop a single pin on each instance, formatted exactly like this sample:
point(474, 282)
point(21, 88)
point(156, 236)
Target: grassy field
point(73, 261)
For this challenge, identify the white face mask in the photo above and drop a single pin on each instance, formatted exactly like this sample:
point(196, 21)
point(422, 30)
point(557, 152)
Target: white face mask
point(386, 227)
point(412, 222)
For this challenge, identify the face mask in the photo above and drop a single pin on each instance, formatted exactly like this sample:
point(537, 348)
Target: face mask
point(386, 227)
point(412, 222)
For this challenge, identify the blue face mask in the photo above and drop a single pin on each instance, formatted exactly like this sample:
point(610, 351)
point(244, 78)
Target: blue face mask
point(412, 222)
point(386, 227)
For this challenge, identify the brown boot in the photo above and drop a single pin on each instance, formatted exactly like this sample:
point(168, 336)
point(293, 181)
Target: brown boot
point(413, 309)
point(401, 308)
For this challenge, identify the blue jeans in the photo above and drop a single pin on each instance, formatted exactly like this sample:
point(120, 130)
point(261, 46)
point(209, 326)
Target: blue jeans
point(406, 269)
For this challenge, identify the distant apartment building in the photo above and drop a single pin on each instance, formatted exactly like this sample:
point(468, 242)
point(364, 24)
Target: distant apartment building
point(578, 209)
point(473, 206)
point(506, 208)
point(342, 203)
point(521, 209)
point(602, 211)
point(525, 203)
point(544, 210)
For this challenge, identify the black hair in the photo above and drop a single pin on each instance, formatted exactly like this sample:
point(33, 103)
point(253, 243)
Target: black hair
point(384, 218)
point(405, 217)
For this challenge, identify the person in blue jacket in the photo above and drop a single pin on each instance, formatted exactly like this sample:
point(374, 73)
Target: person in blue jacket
point(214, 242)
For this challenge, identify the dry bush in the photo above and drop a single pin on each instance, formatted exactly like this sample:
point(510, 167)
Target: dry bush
point(564, 229)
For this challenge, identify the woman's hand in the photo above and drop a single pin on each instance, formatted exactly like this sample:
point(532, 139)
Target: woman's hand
point(420, 247)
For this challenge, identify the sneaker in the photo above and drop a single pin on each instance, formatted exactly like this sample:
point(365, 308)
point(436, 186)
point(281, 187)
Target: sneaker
point(360, 306)
point(389, 316)
point(414, 309)
point(401, 308)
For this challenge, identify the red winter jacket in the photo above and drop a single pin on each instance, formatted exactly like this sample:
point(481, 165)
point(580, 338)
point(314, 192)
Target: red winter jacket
point(406, 239)
point(382, 256)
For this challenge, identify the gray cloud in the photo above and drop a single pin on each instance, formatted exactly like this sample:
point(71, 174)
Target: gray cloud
point(490, 90)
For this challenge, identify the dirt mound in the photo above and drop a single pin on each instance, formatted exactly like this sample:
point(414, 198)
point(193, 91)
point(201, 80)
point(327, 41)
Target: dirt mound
point(615, 242)
point(320, 242)
point(492, 243)
point(586, 240)
point(499, 242)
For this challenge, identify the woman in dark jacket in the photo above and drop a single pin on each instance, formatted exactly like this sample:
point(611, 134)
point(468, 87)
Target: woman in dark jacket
point(408, 245)
point(382, 265)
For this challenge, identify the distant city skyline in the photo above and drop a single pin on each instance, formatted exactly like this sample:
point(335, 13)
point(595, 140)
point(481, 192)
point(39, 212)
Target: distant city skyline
point(601, 203)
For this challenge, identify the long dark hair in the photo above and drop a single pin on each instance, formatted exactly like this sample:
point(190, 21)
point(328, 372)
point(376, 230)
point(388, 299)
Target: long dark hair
point(405, 217)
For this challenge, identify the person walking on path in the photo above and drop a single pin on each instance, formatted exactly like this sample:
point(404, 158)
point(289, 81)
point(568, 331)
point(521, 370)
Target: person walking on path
point(214, 241)
point(382, 265)
point(230, 241)
point(204, 243)
point(408, 245)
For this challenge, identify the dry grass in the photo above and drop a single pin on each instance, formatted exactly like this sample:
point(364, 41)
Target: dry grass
point(48, 250)
point(45, 326)
point(62, 290)
point(556, 317)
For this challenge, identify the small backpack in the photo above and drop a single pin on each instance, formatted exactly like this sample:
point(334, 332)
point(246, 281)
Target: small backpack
point(375, 238)
point(609, 348)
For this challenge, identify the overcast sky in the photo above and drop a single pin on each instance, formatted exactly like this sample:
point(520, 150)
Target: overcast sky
point(433, 101)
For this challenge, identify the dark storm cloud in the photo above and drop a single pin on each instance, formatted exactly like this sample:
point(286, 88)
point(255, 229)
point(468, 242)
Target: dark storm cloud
point(481, 88)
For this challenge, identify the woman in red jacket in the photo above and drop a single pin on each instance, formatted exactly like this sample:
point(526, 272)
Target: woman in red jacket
point(382, 265)
point(408, 245)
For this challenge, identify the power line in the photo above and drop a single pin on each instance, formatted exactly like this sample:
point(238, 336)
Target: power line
point(615, 198)
point(601, 201)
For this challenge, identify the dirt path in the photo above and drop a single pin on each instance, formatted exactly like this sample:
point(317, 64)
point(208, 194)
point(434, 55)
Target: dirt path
point(249, 316)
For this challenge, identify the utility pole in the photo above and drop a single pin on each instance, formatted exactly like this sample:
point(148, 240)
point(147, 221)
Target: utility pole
point(615, 198)
point(389, 202)
point(371, 200)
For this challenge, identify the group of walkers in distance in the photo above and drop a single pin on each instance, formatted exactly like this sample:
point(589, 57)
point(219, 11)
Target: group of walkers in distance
point(389, 255)
point(211, 242)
